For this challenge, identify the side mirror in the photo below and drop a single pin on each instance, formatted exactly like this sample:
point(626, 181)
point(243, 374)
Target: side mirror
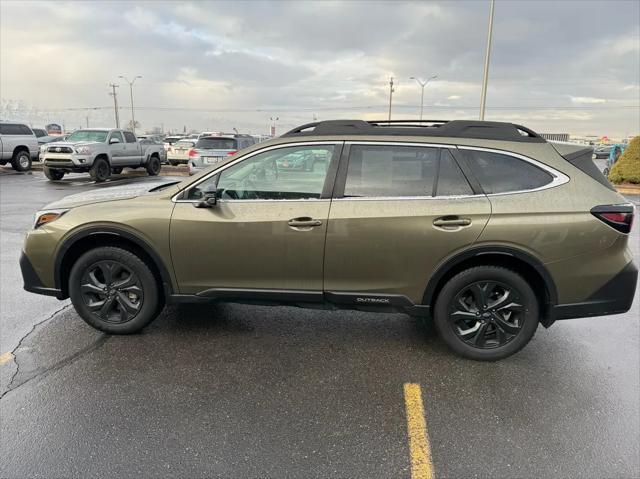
point(113, 140)
point(209, 200)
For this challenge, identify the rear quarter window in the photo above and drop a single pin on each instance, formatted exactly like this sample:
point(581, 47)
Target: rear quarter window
point(500, 173)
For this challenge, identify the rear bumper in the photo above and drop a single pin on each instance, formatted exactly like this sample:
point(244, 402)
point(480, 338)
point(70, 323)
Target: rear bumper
point(615, 297)
point(32, 282)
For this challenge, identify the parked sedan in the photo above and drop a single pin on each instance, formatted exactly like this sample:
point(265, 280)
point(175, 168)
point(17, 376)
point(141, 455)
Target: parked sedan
point(178, 153)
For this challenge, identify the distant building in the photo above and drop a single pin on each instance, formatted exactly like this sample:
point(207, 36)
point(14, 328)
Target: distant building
point(555, 136)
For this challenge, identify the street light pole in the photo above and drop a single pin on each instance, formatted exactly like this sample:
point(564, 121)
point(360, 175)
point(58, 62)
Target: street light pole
point(273, 125)
point(423, 83)
point(391, 90)
point(483, 99)
point(133, 118)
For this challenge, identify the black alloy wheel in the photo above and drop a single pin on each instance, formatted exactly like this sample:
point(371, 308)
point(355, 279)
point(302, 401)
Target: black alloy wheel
point(112, 291)
point(486, 314)
point(115, 290)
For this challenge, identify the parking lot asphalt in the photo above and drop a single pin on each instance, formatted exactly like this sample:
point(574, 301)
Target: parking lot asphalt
point(249, 391)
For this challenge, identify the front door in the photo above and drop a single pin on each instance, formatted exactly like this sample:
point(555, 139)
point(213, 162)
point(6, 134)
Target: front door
point(118, 150)
point(267, 230)
point(399, 212)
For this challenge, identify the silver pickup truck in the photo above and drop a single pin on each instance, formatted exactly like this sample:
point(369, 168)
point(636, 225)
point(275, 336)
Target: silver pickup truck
point(100, 151)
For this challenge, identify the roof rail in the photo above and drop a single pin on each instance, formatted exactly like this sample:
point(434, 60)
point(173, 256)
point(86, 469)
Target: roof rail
point(486, 130)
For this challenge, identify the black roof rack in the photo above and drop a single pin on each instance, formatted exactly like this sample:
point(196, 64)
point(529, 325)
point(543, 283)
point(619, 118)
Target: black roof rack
point(486, 130)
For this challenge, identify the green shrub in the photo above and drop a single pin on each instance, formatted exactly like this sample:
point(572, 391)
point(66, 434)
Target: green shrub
point(627, 168)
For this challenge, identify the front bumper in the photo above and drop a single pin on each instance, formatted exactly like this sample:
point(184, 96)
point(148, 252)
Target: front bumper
point(615, 297)
point(32, 282)
point(66, 162)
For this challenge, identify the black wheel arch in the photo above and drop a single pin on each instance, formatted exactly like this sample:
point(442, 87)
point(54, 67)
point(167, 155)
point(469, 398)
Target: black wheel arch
point(522, 262)
point(95, 237)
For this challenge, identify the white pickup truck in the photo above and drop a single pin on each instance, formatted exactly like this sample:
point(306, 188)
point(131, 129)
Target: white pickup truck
point(100, 151)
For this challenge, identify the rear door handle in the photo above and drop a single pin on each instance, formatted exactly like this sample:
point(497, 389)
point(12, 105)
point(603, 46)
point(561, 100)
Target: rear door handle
point(451, 221)
point(304, 222)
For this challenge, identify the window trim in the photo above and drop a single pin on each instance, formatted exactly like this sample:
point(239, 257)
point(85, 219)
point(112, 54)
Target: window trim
point(559, 178)
point(329, 180)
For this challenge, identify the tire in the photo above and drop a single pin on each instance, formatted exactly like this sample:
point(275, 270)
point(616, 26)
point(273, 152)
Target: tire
point(485, 333)
point(100, 171)
point(125, 310)
point(174, 163)
point(21, 161)
point(153, 166)
point(116, 170)
point(53, 174)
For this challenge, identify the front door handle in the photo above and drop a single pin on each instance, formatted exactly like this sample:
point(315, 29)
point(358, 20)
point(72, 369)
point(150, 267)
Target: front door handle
point(449, 221)
point(304, 222)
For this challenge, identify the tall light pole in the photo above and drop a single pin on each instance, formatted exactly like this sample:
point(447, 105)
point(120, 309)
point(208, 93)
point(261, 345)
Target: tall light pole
point(485, 78)
point(391, 90)
point(133, 118)
point(423, 83)
point(273, 125)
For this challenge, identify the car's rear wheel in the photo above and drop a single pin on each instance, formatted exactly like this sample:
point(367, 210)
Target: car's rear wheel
point(114, 290)
point(486, 313)
point(21, 161)
point(153, 166)
point(52, 173)
point(100, 171)
point(174, 163)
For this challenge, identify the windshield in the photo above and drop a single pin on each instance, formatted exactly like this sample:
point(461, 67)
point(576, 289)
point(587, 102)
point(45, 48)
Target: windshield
point(217, 144)
point(184, 144)
point(39, 133)
point(88, 135)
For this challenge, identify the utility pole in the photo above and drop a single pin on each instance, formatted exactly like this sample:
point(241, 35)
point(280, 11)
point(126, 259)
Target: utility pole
point(391, 90)
point(485, 78)
point(87, 118)
point(115, 102)
point(133, 118)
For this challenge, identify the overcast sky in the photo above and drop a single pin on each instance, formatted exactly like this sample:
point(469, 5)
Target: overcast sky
point(556, 66)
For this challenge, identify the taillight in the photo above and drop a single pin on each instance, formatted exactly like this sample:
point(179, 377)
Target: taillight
point(231, 153)
point(619, 217)
point(192, 153)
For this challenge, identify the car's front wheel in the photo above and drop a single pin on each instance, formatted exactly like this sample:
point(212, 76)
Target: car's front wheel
point(153, 166)
point(100, 171)
point(114, 290)
point(486, 313)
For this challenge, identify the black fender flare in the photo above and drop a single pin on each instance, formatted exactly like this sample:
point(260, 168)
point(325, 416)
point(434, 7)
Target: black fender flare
point(473, 252)
point(116, 232)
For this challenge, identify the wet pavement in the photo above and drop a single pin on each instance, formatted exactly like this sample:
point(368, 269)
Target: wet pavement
point(250, 391)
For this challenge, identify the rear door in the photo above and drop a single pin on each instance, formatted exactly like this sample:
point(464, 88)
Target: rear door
point(133, 149)
point(399, 211)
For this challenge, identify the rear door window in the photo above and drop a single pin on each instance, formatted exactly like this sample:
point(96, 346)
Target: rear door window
point(391, 171)
point(499, 173)
point(129, 137)
point(451, 181)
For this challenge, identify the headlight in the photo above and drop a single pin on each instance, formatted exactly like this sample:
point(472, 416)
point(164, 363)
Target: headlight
point(47, 216)
point(83, 150)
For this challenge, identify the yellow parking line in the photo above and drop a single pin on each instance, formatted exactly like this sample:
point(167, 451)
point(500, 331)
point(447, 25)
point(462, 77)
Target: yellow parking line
point(419, 448)
point(5, 358)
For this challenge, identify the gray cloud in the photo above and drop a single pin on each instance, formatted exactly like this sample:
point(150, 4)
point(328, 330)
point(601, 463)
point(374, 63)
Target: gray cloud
point(216, 63)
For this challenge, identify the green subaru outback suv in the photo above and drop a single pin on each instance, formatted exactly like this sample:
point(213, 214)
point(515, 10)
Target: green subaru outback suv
point(485, 227)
